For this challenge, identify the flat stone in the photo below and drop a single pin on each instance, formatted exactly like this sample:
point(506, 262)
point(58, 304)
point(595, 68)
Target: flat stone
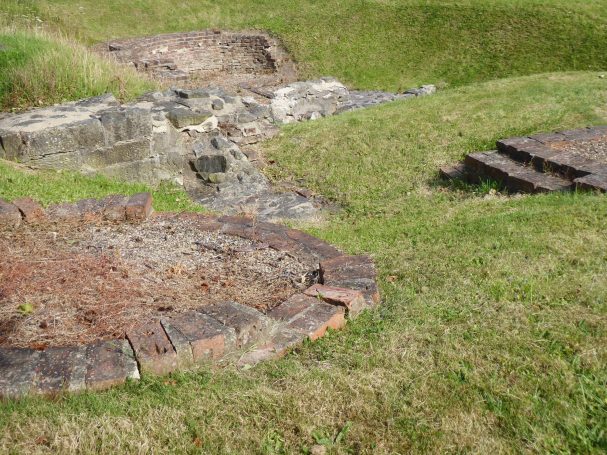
point(153, 349)
point(61, 369)
point(181, 118)
point(90, 209)
point(109, 363)
point(17, 368)
point(31, 211)
point(250, 325)
point(10, 215)
point(139, 207)
point(316, 247)
point(352, 300)
point(454, 172)
point(347, 267)
point(199, 334)
point(316, 320)
point(114, 207)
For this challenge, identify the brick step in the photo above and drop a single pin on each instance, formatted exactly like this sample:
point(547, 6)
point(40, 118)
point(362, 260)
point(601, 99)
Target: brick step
point(567, 164)
point(512, 174)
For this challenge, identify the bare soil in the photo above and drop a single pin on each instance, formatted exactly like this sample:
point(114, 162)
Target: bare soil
point(65, 285)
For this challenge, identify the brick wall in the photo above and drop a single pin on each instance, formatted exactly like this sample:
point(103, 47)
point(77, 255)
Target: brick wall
point(202, 53)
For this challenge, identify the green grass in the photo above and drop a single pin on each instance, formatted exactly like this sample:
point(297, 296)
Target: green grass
point(492, 337)
point(390, 45)
point(49, 187)
point(39, 69)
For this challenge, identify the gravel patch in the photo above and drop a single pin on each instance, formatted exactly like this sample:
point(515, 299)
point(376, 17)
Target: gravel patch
point(82, 283)
point(595, 149)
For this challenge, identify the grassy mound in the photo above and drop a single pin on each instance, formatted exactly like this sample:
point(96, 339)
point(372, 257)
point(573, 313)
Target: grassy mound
point(39, 69)
point(493, 334)
point(388, 45)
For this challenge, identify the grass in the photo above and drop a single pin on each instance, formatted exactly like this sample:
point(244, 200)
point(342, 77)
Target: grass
point(39, 69)
point(389, 45)
point(49, 187)
point(493, 332)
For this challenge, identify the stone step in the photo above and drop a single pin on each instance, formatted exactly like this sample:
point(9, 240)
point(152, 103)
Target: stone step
point(512, 174)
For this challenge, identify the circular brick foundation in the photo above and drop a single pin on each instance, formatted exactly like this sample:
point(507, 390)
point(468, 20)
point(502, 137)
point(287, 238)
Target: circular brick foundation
point(220, 331)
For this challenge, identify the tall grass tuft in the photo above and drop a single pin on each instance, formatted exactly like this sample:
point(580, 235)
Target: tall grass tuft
point(38, 68)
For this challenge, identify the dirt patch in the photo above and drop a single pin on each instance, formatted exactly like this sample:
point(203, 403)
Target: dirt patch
point(80, 283)
point(595, 149)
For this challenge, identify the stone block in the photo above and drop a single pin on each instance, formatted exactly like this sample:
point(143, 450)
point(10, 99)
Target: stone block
point(114, 207)
point(122, 152)
point(139, 207)
point(197, 336)
point(10, 216)
point(18, 368)
point(153, 349)
point(11, 145)
point(109, 363)
point(281, 342)
point(250, 325)
point(181, 118)
point(61, 369)
point(81, 135)
point(211, 163)
point(352, 300)
point(31, 211)
point(90, 209)
point(347, 267)
point(126, 124)
point(510, 145)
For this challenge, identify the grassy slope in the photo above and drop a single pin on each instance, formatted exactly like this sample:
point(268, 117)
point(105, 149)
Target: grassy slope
point(493, 334)
point(41, 69)
point(389, 45)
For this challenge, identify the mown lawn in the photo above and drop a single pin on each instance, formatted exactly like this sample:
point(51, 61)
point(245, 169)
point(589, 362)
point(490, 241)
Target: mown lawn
point(492, 337)
point(389, 45)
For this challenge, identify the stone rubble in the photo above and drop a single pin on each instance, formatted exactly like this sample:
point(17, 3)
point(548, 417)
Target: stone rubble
point(199, 138)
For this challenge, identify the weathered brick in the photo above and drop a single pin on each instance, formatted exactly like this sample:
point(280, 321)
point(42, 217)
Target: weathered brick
point(31, 211)
point(353, 300)
point(281, 342)
point(109, 363)
point(114, 207)
point(153, 349)
point(592, 182)
point(197, 336)
point(292, 307)
point(139, 207)
point(250, 325)
point(61, 369)
point(17, 371)
point(63, 212)
point(317, 319)
point(346, 268)
point(318, 248)
point(9, 214)
point(90, 209)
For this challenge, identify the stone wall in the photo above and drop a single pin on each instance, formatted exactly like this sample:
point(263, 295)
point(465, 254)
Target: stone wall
point(203, 54)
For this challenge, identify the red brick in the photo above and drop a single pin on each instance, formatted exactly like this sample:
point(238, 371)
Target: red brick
point(63, 212)
point(153, 350)
point(354, 301)
point(31, 211)
point(114, 207)
point(109, 363)
point(139, 207)
point(292, 307)
point(317, 319)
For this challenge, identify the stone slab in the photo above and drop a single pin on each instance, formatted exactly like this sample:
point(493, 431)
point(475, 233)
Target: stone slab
point(109, 363)
point(250, 325)
point(60, 370)
point(153, 349)
point(18, 369)
point(592, 182)
point(293, 307)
